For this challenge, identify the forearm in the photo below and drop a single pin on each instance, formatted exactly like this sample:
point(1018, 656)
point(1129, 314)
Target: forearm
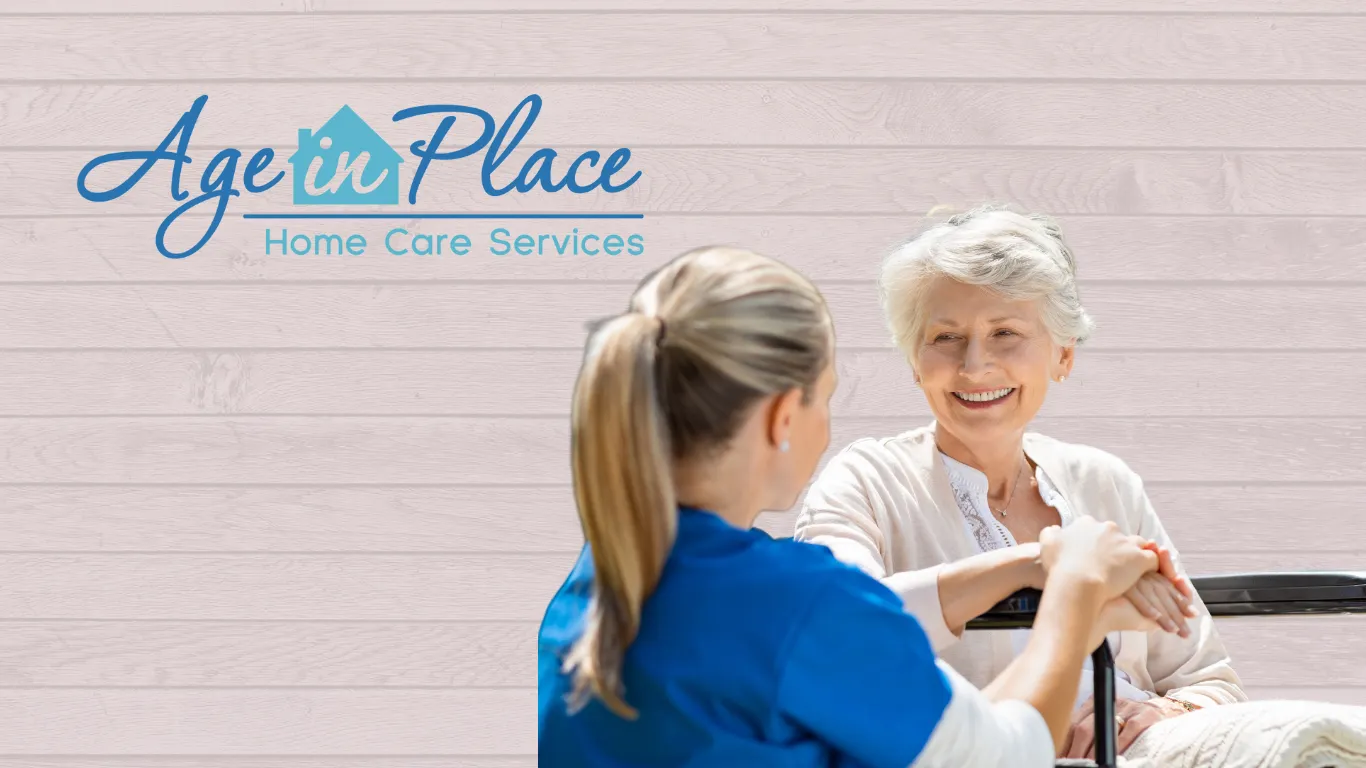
point(1046, 674)
point(969, 587)
point(977, 731)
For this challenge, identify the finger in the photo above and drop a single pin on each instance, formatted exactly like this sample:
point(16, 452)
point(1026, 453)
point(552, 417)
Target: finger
point(1088, 707)
point(1131, 731)
point(1167, 567)
point(1168, 597)
point(1082, 720)
point(1142, 603)
point(1082, 740)
point(1169, 602)
point(1187, 590)
point(1161, 613)
point(1147, 562)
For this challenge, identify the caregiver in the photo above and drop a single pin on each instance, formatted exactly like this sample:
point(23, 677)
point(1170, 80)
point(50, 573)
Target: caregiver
point(684, 636)
point(985, 308)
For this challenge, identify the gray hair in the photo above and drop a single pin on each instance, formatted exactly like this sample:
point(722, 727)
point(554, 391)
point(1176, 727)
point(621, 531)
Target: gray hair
point(1020, 256)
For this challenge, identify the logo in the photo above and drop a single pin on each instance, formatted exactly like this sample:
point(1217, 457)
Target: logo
point(347, 162)
point(342, 150)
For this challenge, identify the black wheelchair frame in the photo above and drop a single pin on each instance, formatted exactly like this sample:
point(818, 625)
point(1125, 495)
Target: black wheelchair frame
point(1237, 594)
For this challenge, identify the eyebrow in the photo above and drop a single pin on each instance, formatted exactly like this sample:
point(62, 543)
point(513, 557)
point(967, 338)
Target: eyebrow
point(954, 324)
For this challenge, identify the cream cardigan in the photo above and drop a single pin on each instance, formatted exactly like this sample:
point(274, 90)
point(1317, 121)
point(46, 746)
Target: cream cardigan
point(886, 506)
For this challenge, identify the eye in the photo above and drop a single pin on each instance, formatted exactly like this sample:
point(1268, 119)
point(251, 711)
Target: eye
point(1005, 332)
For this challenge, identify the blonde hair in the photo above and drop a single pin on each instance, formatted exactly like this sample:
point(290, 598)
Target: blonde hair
point(1021, 256)
point(704, 339)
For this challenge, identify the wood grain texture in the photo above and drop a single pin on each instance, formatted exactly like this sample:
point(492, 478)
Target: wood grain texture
point(382, 588)
point(267, 654)
point(1346, 7)
point(541, 382)
point(448, 519)
point(118, 249)
point(1167, 316)
point(520, 451)
point(772, 113)
point(172, 722)
point(372, 587)
point(758, 180)
point(188, 7)
point(277, 761)
point(1254, 517)
point(1331, 642)
point(170, 654)
point(767, 45)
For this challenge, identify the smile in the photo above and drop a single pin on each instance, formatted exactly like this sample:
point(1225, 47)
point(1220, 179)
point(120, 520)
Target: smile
point(984, 397)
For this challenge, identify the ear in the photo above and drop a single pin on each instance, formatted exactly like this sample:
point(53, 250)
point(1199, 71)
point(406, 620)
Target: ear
point(780, 415)
point(1066, 357)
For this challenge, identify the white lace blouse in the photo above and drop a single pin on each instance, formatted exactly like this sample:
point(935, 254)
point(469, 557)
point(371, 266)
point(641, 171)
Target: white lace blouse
point(970, 491)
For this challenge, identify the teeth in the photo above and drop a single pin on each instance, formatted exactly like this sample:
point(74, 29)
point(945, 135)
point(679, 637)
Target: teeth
point(984, 397)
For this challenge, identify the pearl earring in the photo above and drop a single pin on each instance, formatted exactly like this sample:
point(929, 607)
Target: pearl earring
point(1061, 379)
point(784, 446)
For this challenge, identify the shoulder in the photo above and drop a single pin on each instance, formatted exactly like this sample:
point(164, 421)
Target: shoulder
point(792, 561)
point(816, 572)
point(1082, 463)
point(871, 456)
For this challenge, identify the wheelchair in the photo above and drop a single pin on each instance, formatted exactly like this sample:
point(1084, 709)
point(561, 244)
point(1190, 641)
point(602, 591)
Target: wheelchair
point(1238, 594)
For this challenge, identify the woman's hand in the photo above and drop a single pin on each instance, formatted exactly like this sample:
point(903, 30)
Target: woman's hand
point(1134, 718)
point(1098, 553)
point(1156, 597)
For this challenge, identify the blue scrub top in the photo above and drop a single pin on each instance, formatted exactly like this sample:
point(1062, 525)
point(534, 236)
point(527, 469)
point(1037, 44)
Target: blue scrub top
point(752, 651)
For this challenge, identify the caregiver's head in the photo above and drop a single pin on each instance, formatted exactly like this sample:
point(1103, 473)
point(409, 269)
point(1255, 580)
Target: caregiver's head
point(986, 309)
point(710, 391)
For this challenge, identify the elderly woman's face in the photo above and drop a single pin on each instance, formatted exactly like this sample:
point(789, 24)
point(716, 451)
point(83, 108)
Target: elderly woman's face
point(985, 362)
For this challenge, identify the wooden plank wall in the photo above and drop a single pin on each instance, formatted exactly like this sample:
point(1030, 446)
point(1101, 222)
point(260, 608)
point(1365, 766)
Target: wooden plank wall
point(305, 513)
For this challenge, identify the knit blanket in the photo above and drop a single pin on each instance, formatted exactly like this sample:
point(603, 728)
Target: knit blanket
point(1256, 734)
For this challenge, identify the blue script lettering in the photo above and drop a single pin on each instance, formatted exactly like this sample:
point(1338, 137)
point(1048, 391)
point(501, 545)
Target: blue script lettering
point(427, 150)
point(536, 171)
point(585, 173)
point(214, 184)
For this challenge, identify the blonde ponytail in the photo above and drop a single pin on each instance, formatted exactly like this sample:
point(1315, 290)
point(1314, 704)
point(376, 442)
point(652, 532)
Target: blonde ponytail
point(705, 337)
point(625, 497)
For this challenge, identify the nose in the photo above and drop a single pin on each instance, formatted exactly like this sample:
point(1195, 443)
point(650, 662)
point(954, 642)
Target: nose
point(976, 359)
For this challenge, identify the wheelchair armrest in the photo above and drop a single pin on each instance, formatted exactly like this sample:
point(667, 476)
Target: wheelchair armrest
point(1233, 594)
point(1014, 612)
point(1295, 592)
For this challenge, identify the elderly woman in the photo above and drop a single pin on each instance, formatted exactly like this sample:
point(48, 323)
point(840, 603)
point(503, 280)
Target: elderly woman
point(986, 309)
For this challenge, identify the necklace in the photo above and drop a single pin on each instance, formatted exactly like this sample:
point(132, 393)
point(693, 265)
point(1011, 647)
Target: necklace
point(1004, 507)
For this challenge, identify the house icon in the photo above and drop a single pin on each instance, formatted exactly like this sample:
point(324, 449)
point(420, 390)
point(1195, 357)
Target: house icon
point(344, 163)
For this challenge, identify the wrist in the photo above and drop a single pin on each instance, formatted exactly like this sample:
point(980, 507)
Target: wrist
point(1073, 603)
point(1030, 562)
point(1080, 584)
point(1177, 706)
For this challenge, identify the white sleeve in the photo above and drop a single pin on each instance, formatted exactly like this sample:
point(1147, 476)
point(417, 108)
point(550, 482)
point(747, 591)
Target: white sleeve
point(840, 512)
point(975, 731)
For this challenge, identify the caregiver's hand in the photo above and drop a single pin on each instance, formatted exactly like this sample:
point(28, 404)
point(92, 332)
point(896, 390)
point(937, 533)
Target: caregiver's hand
point(1120, 615)
point(1096, 552)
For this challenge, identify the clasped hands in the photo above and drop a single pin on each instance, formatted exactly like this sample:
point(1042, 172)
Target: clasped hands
point(1148, 592)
